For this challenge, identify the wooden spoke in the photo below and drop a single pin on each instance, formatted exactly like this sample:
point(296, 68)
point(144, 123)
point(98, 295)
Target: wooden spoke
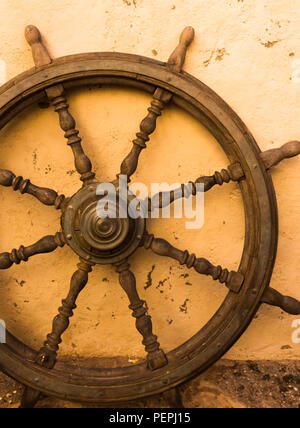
point(233, 280)
point(288, 304)
point(162, 199)
point(156, 357)
point(48, 353)
point(44, 245)
point(83, 164)
point(147, 127)
point(56, 95)
point(160, 99)
point(44, 195)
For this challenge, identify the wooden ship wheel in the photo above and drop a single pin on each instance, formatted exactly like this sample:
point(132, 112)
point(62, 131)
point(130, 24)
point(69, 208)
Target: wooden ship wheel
point(113, 241)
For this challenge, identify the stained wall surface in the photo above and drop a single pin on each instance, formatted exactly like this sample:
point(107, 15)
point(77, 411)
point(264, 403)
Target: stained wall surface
point(249, 53)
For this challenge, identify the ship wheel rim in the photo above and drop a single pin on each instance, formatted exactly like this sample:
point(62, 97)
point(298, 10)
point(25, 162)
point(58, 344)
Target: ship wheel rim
point(261, 230)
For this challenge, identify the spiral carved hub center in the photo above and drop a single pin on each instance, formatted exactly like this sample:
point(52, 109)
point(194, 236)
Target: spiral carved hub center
point(100, 239)
point(103, 233)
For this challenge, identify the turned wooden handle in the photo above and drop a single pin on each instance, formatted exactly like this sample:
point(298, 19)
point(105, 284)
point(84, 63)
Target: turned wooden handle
point(233, 280)
point(274, 156)
point(288, 304)
point(6, 178)
point(43, 194)
point(177, 58)
point(47, 354)
point(39, 52)
point(45, 245)
point(156, 358)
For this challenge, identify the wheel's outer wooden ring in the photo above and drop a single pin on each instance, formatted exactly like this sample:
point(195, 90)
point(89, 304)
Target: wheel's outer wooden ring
point(220, 333)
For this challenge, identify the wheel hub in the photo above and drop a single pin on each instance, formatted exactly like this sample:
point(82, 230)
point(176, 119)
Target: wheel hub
point(99, 239)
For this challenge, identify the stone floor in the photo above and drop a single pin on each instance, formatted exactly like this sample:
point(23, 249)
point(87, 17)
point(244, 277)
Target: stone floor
point(228, 384)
